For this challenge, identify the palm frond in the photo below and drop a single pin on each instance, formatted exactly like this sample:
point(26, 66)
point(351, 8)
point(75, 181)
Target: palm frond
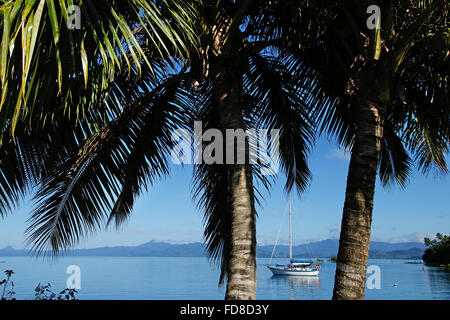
point(147, 160)
point(395, 163)
point(99, 182)
point(13, 180)
point(287, 106)
point(42, 58)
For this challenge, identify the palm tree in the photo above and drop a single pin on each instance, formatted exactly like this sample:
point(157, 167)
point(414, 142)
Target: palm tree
point(90, 175)
point(391, 84)
point(243, 80)
point(247, 76)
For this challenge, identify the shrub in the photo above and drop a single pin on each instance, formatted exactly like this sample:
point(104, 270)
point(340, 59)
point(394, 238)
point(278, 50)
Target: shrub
point(41, 292)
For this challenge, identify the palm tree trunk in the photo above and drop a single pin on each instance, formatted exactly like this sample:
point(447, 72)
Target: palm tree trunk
point(242, 263)
point(350, 279)
point(225, 77)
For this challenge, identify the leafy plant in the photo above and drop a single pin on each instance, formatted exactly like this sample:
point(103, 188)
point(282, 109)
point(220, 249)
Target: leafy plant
point(8, 286)
point(43, 292)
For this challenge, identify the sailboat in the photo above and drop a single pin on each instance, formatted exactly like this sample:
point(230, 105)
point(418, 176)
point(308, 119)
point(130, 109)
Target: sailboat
point(295, 267)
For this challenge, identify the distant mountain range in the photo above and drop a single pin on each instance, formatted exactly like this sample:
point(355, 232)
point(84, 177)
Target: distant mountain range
point(321, 249)
point(329, 248)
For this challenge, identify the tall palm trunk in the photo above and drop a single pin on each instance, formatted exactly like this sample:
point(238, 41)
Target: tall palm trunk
point(242, 263)
point(354, 240)
point(241, 268)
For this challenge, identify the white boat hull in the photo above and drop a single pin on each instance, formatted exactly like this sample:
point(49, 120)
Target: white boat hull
point(293, 272)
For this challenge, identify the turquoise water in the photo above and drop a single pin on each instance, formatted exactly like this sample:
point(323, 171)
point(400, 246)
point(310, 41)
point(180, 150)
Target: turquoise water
point(142, 278)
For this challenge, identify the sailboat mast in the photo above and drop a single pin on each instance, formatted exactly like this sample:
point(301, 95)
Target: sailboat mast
point(290, 230)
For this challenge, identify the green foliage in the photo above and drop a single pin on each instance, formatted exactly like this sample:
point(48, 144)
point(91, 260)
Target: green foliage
point(438, 251)
point(46, 66)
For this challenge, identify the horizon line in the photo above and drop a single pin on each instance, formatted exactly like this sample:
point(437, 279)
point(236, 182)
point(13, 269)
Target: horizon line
point(262, 243)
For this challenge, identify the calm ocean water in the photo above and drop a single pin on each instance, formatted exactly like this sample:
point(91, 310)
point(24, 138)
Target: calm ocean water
point(136, 278)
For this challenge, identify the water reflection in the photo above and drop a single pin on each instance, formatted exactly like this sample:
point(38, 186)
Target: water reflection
point(298, 286)
point(439, 279)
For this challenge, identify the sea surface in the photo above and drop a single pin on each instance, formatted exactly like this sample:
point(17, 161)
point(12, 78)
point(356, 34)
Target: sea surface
point(143, 278)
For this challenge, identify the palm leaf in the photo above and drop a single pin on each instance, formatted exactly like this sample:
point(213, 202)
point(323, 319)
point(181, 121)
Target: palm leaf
point(100, 180)
point(286, 106)
point(38, 50)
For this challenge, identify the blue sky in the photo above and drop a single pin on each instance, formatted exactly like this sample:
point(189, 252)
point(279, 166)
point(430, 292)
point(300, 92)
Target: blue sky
point(167, 212)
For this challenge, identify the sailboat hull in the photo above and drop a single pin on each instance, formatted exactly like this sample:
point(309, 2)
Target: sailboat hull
point(279, 271)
